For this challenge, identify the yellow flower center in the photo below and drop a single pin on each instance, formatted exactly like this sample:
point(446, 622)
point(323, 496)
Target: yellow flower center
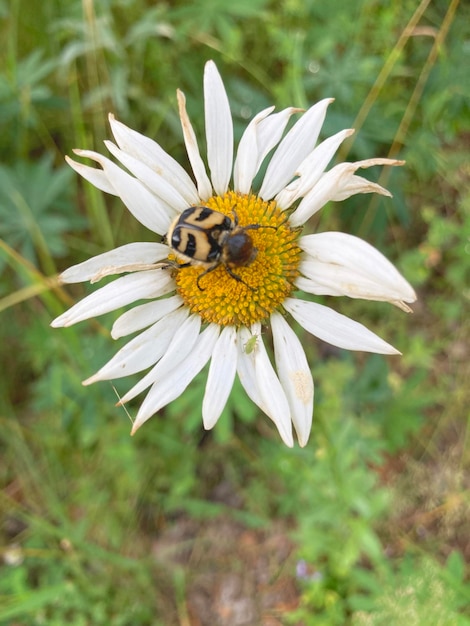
point(262, 284)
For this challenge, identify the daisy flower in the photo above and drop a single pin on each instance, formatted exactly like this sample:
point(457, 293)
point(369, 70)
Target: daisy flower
point(207, 295)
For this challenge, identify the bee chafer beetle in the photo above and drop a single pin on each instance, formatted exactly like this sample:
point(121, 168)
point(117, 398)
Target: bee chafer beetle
point(202, 236)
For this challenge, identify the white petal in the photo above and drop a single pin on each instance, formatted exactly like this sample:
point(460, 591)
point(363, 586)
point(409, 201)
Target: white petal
point(338, 264)
point(154, 181)
point(272, 394)
point(143, 315)
point(204, 186)
point(144, 206)
point(93, 175)
point(293, 149)
point(260, 382)
point(175, 382)
point(246, 366)
point(219, 129)
point(333, 185)
point(247, 161)
point(142, 351)
point(334, 328)
point(181, 345)
point(122, 291)
point(311, 168)
point(294, 374)
point(270, 130)
point(359, 184)
point(261, 135)
point(153, 155)
point(115, 261)
point(334, 283)
point(221, 376)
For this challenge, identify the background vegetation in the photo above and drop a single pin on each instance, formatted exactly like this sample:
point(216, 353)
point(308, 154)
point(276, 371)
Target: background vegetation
point(368, 525)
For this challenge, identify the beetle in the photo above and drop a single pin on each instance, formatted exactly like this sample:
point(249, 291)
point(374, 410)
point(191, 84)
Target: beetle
point(203, 236)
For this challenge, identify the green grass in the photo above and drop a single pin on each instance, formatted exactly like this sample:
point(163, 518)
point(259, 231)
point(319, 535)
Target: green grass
point(98, 528)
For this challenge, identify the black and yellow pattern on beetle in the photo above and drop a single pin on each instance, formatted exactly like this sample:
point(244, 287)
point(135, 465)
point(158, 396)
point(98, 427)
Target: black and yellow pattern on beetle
point(202, 236)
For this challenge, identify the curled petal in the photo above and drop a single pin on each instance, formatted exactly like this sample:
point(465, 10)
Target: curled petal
point(204, 186)
point(334, 328)
point(338, 264)
point(359, 184)
point(93, 175)
point(338, 183)
point(117, 261)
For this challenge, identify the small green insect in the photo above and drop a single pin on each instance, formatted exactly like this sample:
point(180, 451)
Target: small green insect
point(250, 345)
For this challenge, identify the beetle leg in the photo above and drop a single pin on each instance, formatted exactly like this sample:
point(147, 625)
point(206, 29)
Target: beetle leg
point(173, 265)
point(238, 278)
point(231, 273)
point(257, 227)
point(209, 269)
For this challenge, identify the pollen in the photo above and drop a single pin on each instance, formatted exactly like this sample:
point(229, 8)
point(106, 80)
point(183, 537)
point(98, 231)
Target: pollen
point(261, 285)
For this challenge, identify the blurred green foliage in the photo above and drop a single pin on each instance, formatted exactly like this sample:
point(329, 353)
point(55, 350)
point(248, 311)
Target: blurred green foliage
point(81, 503)
point(36, 209)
